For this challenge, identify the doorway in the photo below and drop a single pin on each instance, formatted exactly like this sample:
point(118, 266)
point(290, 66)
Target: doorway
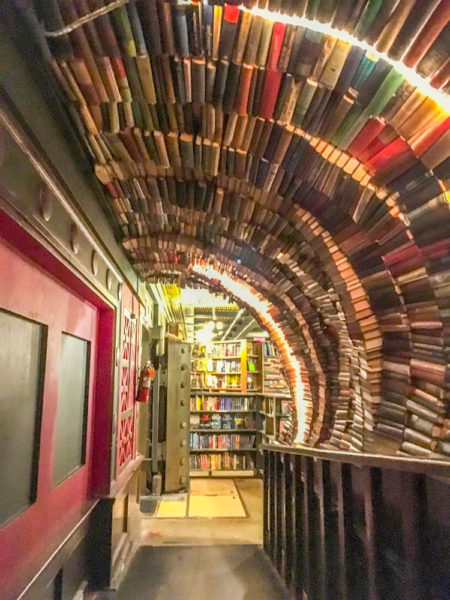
point(239, 397)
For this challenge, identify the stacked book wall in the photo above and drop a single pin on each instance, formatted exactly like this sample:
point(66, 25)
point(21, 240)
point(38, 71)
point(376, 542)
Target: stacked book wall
point(311, 168)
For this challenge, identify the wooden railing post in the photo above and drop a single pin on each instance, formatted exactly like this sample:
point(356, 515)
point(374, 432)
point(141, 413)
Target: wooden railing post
point(342, 526)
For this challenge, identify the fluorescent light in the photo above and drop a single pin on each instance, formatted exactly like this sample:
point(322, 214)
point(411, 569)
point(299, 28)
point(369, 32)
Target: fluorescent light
point(205, 335)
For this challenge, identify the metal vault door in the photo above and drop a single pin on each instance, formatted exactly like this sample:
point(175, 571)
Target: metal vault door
point(177, 420)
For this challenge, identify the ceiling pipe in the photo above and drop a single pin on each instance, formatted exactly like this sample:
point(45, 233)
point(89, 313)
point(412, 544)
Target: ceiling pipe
point(241, 333)
point(238, 314)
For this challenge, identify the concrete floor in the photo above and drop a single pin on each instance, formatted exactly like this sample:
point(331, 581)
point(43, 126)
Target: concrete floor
point(237, 572)
point(199, 558)
point(210, 531)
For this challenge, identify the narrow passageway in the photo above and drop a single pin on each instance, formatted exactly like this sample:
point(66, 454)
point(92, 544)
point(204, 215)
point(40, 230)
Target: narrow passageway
point(204, 545)
point(233, 572)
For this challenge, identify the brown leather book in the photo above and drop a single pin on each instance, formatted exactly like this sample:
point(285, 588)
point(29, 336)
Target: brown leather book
point(428, 33)
point(167, 27)
point(244, 89)
point(394, 24)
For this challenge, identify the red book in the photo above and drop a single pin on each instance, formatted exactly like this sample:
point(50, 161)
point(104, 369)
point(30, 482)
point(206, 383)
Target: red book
point(430, 137)
point(231, 13)
point(387, 154)
point(111, 189)
point(228, 31)
point(385, 137)
point(275, 46)
point(394, 167)
point(437, 250)
point(367, 134)
point(270, 93)
point(400, 254)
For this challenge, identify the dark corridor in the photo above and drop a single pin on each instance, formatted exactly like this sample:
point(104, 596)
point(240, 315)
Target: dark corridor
point(201, 573)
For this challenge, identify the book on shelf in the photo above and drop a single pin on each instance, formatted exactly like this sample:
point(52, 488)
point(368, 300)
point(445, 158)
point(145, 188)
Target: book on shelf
point(225, 461)
point(209, 403)
point(221, 441)
point(224, 421)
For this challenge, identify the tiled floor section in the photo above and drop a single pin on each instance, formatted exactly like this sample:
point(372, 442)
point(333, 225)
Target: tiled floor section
point(210, 531)
point(213, 573)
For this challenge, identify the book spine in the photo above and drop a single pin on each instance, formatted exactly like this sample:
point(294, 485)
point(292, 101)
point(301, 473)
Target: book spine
point(217, 25)
point(244, 89)
point(270, 92)
point(181, 31)
point(428, 34)
point(264, 44)
point(167, 29)
point(418, 15)
point(393, 26)
point(228, 31)
point(244, 29)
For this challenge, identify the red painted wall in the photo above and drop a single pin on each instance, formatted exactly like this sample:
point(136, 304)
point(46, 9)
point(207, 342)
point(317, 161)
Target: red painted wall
point(28, 290)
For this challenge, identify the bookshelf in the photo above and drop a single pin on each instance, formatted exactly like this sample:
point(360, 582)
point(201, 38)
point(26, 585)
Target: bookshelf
point(228, 367)
point(227, 424)
point(223, 431)
point(274, 379)
point(275, 413)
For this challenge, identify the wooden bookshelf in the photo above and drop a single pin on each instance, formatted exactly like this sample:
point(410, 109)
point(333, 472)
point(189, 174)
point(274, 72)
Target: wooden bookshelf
point(223, 473)
point(211, 371)
point(274, 380)
point(214, 419)
point(274, 413)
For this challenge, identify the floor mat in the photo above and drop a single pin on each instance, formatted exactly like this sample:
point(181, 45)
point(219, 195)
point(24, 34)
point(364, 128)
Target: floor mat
point(211, 506)
point(209, 499)
point(171, 507)
point(212, 486)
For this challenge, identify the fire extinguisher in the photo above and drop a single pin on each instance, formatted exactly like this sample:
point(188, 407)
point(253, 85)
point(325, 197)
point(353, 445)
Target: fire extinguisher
point(146, 376)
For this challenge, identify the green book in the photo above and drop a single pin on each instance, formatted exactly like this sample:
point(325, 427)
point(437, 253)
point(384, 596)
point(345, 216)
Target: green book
point(124, 31)
point(351, 117)
point(384, 93)
point(312, 8)
point(367, 17)
point(303, 102)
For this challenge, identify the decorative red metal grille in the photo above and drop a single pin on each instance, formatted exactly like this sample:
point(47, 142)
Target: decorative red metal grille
point(126, 442)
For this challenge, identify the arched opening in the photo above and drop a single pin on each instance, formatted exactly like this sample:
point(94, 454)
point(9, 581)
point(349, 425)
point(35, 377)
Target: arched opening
point(292, 155)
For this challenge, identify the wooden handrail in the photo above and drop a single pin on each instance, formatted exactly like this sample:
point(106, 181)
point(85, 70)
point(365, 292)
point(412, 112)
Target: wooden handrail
point(435, 467)
point(345, 526)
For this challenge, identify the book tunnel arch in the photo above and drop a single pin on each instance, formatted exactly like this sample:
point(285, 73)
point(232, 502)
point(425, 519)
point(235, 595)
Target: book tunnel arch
point(304, 163)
